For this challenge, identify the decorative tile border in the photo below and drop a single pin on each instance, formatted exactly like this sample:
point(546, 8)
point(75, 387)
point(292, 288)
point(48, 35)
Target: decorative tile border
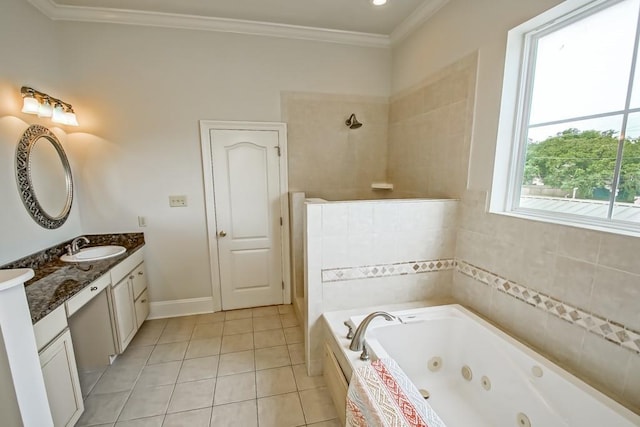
point(386, 270)
point(607, 329)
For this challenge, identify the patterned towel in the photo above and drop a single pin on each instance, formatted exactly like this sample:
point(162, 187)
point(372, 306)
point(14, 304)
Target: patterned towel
point(381, 395)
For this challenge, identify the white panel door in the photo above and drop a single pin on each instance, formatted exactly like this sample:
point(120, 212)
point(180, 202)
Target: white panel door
point(246, 182)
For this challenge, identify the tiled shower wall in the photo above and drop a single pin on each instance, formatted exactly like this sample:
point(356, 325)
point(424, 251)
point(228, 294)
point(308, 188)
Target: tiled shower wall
point(582, 292)
point(374, 252)
point(430, 133)
point(328, 160)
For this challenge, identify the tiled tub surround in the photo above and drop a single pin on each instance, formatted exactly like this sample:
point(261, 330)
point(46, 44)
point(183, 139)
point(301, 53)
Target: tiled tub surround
point(55, 281)
point(385, 252)
point(567, 268)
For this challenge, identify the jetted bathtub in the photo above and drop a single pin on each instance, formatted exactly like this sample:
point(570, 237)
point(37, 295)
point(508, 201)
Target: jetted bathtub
point(478, 376)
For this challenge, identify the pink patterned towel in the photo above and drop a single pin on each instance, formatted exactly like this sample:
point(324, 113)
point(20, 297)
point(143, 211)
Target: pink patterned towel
point(381, 395)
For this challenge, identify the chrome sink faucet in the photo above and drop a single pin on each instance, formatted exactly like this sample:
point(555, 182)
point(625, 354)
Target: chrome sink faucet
point(74, 247)
point(357, 343)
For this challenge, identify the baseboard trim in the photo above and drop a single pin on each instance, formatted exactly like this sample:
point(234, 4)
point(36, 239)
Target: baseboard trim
point(180, 307)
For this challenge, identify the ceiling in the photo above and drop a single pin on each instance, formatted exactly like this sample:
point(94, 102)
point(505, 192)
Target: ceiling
point(331, 20)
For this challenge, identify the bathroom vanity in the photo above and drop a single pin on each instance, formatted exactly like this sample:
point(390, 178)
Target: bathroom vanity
point(83, 316)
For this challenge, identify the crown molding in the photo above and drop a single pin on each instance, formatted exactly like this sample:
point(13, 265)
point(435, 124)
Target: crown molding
point(59, 12)
point(417, 18)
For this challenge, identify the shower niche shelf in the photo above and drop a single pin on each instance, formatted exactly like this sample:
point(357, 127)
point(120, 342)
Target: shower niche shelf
point(382, 186)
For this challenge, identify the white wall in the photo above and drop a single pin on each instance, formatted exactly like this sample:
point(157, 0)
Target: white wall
point(140, 92)
point(30, 56)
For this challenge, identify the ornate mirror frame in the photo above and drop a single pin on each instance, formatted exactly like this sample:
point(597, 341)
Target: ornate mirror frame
point(25, 183)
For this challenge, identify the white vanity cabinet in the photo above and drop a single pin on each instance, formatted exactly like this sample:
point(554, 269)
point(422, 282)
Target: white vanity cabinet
point(59, 370)
point(129, 298)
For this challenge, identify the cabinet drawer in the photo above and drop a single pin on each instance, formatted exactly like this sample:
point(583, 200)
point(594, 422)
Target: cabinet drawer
point(139, 279)
point(85, 295)
point(142, 308)
point(49, 327)
point(122, 270)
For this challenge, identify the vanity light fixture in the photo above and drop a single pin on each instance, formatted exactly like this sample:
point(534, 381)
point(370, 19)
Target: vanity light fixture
point(379, 2)
point(36, 102)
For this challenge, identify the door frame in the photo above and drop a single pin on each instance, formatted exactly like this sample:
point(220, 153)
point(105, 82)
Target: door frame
point(206, 126)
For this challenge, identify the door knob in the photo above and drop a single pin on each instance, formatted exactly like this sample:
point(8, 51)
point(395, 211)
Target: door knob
point(222, 233)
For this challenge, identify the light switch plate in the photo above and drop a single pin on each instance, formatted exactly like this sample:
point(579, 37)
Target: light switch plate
point(178, 201)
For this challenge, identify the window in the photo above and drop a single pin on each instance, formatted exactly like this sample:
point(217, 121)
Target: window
point(569, 134)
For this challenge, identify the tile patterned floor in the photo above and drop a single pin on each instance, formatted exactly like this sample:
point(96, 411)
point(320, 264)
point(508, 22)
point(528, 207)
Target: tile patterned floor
point(237, 368)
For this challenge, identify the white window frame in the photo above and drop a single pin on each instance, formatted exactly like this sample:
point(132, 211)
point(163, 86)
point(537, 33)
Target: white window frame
point(510, 147)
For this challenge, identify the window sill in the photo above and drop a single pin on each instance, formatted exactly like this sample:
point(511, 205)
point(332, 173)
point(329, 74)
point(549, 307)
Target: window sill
point(620, 228)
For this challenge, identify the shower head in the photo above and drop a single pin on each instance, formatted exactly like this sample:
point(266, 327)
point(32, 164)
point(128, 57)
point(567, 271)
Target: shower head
point(352, 122)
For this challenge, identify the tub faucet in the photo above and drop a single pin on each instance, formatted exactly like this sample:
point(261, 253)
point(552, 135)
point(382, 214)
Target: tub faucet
point(357, 343)
point(74, 248)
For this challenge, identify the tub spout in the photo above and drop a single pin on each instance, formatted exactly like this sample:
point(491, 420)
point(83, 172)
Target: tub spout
point(357, 343)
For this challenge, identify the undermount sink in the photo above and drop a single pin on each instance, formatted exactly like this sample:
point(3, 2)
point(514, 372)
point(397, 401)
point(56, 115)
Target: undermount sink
point(95, 253)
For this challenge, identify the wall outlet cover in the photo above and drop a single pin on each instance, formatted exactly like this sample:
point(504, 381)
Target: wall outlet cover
point(178, 201)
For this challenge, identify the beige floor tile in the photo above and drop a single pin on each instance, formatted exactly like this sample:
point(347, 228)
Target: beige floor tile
point(238, 314)
point(168, 352)
point(135, 355)
point(266, 323)
point(293, 335)
point(283, 410)
point(317, 405)
point(271, 310)
point(235, 388)
point(207, 330)
point(89, 379)
point(143, 422)
point(171, 337)
point(198, 369)
point(331, 423)
point(289, 320)
point(174, 322)
point(235, 343)
point(102, 408)
point(210, 317)
point(147, 402)
point(241, 414)
point(203, 348)
point(285, 309)
point(296, 352)
point(241, 326)
point(196, 418)
point(192, 395)
point(271, 338)
point(304, 381)
point(146, 336)
point(236, 363)
point(159, 374)
point(117, 378)
point(270, 382)
point(272, 357)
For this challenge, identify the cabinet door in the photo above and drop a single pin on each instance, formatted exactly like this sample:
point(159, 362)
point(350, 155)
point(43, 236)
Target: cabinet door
point(61, 381)
point(142, 308)
point(124, 312)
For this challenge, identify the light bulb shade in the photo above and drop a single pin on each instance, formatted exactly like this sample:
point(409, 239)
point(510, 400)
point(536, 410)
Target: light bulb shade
point(71, 119)
point(59, 115)
point(30, 105)
point(45, 109)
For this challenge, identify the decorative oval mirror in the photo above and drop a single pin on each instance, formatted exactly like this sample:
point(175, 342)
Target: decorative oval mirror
point(44, 177)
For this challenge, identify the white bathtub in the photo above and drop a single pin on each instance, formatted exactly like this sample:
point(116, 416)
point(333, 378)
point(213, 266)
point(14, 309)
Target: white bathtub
point(510, 384)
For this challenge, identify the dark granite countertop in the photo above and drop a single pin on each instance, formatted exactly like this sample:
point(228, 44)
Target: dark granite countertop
point(55, 281)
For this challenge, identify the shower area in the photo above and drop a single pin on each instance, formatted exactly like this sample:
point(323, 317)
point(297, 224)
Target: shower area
point(373, 185)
